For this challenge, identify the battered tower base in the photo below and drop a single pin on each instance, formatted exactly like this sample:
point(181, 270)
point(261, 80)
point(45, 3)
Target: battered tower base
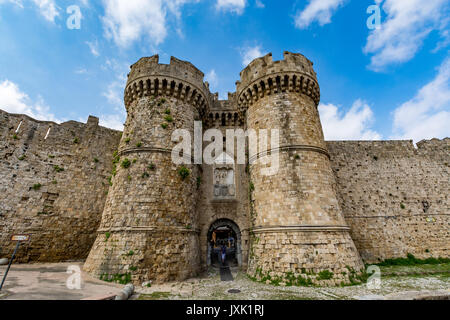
point(305, 256)
point(144, 255)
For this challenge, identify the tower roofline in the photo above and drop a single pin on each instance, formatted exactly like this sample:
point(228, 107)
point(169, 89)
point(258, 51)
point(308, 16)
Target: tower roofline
point(150, 66)
point(263, 76)
point(179, 78)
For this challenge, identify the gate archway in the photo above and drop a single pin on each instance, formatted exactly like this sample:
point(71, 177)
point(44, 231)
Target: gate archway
point(226, 232)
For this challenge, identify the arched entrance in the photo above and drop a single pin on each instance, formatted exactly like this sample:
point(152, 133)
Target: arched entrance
point(224, 232)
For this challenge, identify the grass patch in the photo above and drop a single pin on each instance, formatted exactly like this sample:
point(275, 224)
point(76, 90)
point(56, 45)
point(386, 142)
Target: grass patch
point(122, 278)
point(325, 275)
point(155, 296)
point(411, 260)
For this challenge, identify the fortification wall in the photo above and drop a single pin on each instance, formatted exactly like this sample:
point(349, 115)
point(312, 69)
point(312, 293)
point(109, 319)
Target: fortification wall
point(395, 197)
point(53, 185)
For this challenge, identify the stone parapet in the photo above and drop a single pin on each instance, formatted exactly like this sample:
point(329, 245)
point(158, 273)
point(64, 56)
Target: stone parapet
point(179, 79)
point(265, 77)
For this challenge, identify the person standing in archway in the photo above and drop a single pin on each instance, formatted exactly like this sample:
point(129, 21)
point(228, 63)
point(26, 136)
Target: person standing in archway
point(224, 253)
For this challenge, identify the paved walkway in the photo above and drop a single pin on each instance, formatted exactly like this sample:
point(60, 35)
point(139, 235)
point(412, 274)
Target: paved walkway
point(49, 282)
point(225, 273)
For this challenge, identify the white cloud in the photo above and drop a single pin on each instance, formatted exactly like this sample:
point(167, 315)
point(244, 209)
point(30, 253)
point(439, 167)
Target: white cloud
point(427, 114)
point(259, 4)
point(81, 71)
point(355, 124)
point(16, 2)
point(114, 95)
point(407, 24)
point(445, 35)
point(128, 21)
point(317, 10)
point(235, 6)
point(93, 46)
point(113, 121)
point(13, 100)
point(48, 9)
point(212, 78)
point(249, 54)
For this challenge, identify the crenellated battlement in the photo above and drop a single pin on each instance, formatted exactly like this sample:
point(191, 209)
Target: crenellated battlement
point(180, 79)
point(263, 77)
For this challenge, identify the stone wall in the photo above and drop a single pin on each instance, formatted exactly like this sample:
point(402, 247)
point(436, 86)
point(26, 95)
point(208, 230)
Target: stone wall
point(53, 185)
point(395, 197)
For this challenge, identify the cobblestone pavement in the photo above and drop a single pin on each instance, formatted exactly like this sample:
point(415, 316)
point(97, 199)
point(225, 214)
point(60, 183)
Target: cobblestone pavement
point(398, 283)
point(49, 282)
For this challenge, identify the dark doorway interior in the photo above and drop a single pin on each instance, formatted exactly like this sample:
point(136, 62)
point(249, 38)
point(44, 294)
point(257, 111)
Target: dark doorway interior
point(223, 235)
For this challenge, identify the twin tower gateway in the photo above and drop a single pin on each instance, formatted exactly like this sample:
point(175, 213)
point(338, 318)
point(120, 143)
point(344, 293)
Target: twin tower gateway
point(165, 222)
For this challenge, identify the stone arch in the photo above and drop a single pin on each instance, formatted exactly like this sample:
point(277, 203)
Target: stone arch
point(237, 232)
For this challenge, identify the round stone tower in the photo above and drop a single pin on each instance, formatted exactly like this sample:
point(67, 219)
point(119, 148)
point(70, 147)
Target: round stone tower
point(149, 229)
point(299, 233)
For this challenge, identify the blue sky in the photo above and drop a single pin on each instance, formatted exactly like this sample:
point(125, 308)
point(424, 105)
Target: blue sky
point(391, 82)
